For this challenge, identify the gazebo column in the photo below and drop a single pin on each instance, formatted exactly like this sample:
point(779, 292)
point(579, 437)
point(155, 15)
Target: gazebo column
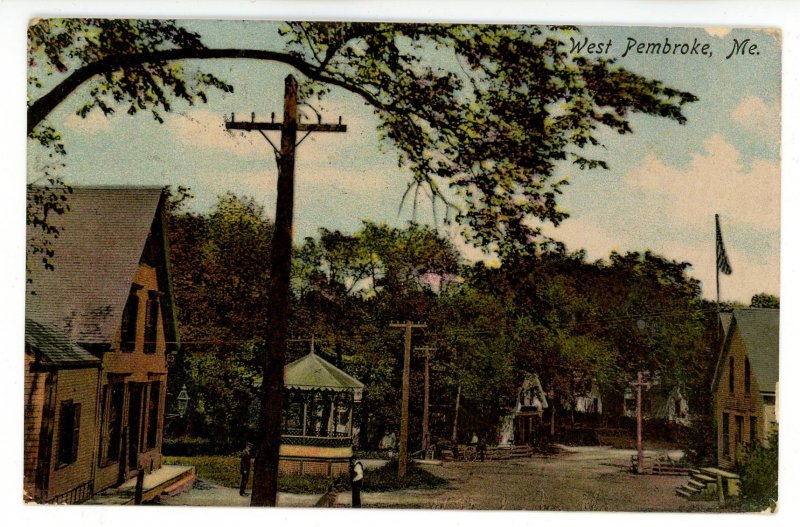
point(334, 413)
point(351, 404)
point(305, 412)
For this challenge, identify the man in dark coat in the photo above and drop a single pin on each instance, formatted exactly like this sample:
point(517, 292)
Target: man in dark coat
point(356, 481)
point(244, 469)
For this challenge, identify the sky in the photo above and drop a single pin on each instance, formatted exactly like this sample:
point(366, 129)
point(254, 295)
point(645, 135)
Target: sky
point(664, 184)
point(597, 224)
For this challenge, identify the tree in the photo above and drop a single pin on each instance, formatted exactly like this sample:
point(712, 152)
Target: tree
point(480, 115)
point(220, 283)
point(760, 476)
point(765, 300)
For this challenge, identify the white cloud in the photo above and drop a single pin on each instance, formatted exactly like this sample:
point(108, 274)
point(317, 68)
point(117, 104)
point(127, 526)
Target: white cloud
point(714, 181)
point(206, 130)
point(759, 118)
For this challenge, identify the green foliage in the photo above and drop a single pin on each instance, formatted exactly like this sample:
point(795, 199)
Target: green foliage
point(224, 470)
point(44, 201)
point(480, 114)
point(765, 300)
point(220, 279)
point(57, 46)
point(385, 479)
point(759, 470)
point(700, 441)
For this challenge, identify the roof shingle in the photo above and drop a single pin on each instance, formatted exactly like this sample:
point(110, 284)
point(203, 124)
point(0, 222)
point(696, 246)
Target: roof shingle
point(96, 255)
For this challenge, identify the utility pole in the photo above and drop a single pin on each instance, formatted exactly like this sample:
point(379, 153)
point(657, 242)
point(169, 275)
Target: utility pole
point(426, 435)
point(403, 461)
point(265, 470)
point(640, 383)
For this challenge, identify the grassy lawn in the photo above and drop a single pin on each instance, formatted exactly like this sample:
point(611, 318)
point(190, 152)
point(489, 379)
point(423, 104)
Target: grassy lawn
point(224, 470)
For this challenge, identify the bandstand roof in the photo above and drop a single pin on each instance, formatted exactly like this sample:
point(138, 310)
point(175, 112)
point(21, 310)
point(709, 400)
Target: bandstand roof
point(312, 372)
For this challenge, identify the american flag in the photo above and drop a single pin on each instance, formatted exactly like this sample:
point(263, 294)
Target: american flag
point(722, 257)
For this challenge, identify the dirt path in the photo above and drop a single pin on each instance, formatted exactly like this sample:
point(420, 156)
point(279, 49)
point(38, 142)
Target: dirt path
point(579, 479)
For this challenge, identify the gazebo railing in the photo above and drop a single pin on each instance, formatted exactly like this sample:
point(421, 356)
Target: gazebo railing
point(334, 440)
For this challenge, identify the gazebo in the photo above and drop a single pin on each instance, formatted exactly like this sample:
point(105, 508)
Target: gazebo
point(317, 434)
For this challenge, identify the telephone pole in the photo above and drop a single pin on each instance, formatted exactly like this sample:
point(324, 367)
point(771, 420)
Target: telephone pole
point(426, 435)
point(265, 470)
point(403, 461)
point(640, 383)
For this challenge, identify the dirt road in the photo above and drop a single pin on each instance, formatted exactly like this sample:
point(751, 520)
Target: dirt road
point(579, 479)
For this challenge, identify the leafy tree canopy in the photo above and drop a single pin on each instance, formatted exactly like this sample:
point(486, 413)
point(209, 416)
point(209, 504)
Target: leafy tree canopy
point(479, 114)
point(765, 300)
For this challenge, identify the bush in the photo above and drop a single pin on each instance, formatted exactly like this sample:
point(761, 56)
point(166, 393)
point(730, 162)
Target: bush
point(197, 446)
point(759, 472)
point(385, 478)
point(700, 442)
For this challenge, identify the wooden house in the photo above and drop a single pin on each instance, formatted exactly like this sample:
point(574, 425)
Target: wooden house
point(108, 296)
point(61, 387)
point(746, 382)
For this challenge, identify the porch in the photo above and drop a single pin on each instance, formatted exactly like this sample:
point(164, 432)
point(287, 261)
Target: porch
point(169, 480)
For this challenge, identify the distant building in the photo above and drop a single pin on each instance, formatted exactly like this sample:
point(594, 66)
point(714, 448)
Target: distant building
point(98, 329)
point(590, 402)
point(746, 382)
point(521, 425)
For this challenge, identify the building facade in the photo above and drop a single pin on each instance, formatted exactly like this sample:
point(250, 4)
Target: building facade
point(746, 383)
point(108, 295)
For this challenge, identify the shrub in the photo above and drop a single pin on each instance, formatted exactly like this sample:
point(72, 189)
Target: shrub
point(700, 442)
point(385, 478)
point(759, 471)
point(197, 446)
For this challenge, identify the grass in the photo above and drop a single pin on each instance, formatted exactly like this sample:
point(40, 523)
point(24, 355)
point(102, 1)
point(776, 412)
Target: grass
point(224, 470)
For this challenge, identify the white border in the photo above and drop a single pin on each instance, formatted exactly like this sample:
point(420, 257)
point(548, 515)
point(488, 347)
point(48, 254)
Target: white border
point(14, 15)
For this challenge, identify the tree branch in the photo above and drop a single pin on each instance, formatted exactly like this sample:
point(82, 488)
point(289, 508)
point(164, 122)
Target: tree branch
point(41, 108)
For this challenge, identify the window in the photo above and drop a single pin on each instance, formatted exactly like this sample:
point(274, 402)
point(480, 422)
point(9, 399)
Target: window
point(152, 414)
point(151, 322)
point(730, 375)
point(111, 426)
point(753, 429)
point(746, 375)
point(129, 320)
point(739, 429)
point(68, 432)
point(726, 444)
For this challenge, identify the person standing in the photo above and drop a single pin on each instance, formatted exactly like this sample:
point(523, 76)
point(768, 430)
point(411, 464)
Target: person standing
point(356, 481)
point(244, 469)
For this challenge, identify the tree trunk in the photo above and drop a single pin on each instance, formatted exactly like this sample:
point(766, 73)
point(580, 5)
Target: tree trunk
point(454, 437)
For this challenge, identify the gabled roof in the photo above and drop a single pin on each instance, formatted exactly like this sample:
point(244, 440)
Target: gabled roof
point(312, 372)
point(96, 254)
point(759, 329)
point(51, 346)
point(725, 321)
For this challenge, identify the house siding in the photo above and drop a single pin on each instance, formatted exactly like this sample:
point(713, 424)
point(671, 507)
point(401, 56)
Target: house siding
point(34, 411)
point(79, 386)
point(738, 403)
point(136, 366)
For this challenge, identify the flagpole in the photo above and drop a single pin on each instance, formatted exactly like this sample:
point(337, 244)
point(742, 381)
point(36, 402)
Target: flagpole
point(716, 268)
